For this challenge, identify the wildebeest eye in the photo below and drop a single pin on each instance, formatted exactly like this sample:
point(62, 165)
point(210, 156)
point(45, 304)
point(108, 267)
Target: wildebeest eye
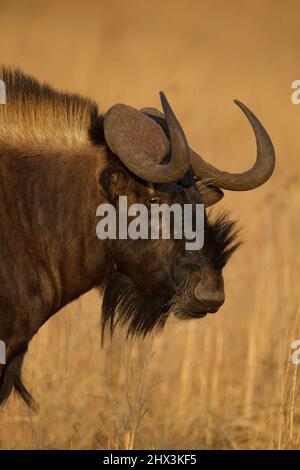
point(154, 200)
point(196, 178)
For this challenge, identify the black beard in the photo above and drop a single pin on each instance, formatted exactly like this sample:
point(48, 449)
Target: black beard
point(123, 305)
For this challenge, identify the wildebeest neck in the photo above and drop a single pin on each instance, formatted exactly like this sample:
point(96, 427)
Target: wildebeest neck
point(47, 210)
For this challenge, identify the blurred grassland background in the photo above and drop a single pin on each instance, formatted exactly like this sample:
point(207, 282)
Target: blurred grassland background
point(225, 381)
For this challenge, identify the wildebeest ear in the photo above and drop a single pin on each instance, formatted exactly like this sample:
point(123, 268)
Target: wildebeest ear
point(112, 182)
point(209, 194)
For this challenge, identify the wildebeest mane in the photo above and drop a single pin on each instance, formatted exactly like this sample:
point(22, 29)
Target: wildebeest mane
point(35, 112)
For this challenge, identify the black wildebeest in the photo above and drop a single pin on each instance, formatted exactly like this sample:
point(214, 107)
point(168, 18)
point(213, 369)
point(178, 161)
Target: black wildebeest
point(59, 159)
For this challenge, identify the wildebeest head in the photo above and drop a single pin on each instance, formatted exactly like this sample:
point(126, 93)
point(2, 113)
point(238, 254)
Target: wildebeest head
point(151, 162)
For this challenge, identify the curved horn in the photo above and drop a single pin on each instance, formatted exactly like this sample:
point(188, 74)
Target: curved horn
point(179, 146)
point(140, 143)
point(256, 176)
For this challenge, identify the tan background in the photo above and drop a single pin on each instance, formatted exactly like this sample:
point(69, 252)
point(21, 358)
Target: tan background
point(225, 381)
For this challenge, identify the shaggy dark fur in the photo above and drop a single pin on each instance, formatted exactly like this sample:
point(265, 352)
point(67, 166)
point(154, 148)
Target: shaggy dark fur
point(221, 235)
point(124, 304)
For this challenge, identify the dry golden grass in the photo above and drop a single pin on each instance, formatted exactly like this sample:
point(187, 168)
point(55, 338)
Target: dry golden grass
point(225, 381)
